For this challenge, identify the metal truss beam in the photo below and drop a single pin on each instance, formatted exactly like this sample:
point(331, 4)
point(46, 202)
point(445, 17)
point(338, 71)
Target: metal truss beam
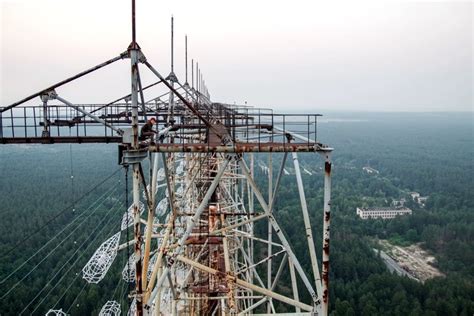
point(279, 232)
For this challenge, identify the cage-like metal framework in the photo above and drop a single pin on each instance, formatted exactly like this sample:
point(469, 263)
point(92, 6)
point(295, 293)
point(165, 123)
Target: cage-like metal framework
point(110, 308)
point(55, 312)
point(98, 265)
point(202, 255)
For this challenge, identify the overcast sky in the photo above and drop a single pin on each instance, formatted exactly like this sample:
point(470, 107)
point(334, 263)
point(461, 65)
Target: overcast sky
point(306, 55)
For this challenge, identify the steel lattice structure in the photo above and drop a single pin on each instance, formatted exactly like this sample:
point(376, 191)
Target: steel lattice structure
point(194, 217)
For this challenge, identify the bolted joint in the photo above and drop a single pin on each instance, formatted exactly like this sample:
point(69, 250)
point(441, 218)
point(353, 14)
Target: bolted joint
point(48, 95)
point(230, 277)
point(172, 77)
point(133, 46)
point(125, 54)
point(170, 261)
point(141, 57)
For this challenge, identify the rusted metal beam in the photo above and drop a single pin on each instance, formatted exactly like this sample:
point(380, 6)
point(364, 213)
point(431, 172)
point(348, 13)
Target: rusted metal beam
point(194, 220)
point(279, 232)
point(202, 126)
point(326, 227)
point(54, 86)
point(237, 147)
point(183, 99)
point(307, 226)
point(245, 284)
point(202, 240)
point(61, 140)
point(230, 227)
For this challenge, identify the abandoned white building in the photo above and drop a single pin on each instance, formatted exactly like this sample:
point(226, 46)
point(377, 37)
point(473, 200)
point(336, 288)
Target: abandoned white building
point(382, 212)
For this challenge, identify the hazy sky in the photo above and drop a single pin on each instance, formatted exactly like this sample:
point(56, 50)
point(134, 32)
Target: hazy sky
point(305, 55)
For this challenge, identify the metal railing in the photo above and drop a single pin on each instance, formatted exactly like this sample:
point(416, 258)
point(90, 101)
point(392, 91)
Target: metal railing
point(244, 124)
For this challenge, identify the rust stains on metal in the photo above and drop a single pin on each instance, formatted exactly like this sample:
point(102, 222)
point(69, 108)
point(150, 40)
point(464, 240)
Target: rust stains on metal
point(217, 135)
point(203, 240)
point(138, 264)
point(235, 148)
point(327, 167)
point(325, 296)
point(325, 276)
point(327, 216)
point(60, 140)
point(326, 246)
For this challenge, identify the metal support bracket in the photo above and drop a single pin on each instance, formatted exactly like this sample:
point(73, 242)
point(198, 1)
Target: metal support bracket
point(134, 156)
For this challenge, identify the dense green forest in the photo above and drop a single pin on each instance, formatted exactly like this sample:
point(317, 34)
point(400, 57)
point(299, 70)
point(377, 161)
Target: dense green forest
point(428, 153)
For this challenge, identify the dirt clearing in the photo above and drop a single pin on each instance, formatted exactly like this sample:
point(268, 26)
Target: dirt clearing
point(416, 261)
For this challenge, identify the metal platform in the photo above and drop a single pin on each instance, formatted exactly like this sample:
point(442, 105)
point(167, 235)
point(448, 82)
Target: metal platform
point(204, 259)
point(248, 129)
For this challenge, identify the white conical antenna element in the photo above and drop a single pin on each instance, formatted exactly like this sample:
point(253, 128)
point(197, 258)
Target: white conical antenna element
point(162, 207)
point(128, 216)
point(133, 308)
point(161, 175)
point(179, 231)
point(128, 272)
point(52, 312)
point(166, 301)
point(94, 271)
point(180, 168)
point(149, 191)
point(286, 172)
point(151, 265)
point(180, 191)
point(110, 308)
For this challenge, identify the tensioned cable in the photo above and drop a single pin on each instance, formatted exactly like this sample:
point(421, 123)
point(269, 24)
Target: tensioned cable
point(80, 292)
point(71, 266)
point(78, 274)
point(116, 287)
point(73, 193)
point(123, 302)
point(59, 281)
point(53, 238)
point(47, 256)
point(59, 214)
point(128, 248)
point(128, 264)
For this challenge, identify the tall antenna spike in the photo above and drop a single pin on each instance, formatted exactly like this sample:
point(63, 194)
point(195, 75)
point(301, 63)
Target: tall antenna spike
point(134, 31)
point(186, 56)
point(192, 73)
point(172, 43)
point(197, 76)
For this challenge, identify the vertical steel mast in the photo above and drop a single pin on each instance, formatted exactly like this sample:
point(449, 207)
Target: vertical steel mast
point(134, 51)
point(213, 244)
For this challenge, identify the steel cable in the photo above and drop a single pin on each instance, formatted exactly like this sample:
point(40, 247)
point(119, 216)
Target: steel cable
point(44, 258)
point(72, 265)
point(54, 237)
point(59, 214)
point(79, 294)
point(57, 302)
